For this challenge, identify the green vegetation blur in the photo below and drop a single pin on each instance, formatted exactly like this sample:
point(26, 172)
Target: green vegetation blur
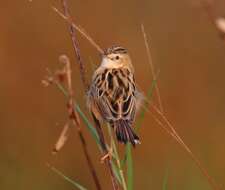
point(185, 47)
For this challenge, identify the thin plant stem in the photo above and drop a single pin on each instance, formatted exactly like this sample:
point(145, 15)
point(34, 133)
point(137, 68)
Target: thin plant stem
point(106, 156)
point(117, 159)
point(75, 45)
point(169, 127)
point(152, 67)
point(73, 26)
point(79, 29)
point(176, 136)
point(130, 172)
point(73, 115)
point(77, 185)
point(62, 138)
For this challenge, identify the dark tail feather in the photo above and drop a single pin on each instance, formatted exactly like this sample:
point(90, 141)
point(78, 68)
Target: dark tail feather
point(125, 133)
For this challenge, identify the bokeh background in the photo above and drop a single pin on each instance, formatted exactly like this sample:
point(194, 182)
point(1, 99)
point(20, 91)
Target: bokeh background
point(185, 48)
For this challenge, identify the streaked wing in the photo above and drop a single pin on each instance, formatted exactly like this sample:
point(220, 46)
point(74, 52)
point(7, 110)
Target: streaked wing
point(113, 91)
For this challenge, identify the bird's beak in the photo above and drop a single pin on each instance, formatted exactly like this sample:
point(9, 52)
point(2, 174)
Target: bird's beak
point(105, 56)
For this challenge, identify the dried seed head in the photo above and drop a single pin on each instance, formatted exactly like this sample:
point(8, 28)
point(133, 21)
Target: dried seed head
point(47, 81)
point(220, 24)
point(61, 75)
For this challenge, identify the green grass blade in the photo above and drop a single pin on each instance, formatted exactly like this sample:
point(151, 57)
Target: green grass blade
point(116, 158)
point(149, 96)
point(88, 124)
point(129, 167)
point(128, 155)
point(62, 89)
point(165, 180)
point(123, 162)
point(115, 167)
point(116, 172)
point(77, 185)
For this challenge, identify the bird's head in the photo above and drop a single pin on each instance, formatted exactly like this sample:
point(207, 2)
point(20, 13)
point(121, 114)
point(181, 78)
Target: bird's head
point(116, 57)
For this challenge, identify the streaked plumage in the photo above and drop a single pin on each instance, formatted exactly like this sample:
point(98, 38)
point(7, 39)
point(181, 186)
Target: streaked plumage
point(113, 97)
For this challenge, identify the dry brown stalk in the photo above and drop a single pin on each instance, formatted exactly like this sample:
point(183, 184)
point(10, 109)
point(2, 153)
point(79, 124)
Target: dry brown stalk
point(168, 127)
point(62, 138)
point(79, 29)
point(106, 157)
point(152, 67)
point(161, 124)
point(75, 45)
point(74, 117)
point(176, 136)
point(73, 26)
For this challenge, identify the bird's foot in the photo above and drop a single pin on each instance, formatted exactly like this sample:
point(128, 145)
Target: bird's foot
point(108, 155)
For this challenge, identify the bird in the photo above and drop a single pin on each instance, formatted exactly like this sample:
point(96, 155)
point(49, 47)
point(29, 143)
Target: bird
point(113, 97)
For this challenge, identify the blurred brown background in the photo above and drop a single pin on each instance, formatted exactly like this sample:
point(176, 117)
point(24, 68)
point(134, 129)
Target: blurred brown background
point(185, 47)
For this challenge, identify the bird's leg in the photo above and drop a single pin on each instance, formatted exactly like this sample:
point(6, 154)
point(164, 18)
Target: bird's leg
point(110, 148)
point(106, 151)
point(107, 160)
point(108, 155)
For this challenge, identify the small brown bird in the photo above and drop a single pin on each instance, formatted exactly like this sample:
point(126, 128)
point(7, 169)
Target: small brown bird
point(113, 96)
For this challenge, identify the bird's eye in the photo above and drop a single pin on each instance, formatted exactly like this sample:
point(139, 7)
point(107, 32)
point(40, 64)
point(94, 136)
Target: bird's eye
point(117, 57)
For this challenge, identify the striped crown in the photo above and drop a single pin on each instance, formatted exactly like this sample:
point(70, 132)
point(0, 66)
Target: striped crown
point(115, 50)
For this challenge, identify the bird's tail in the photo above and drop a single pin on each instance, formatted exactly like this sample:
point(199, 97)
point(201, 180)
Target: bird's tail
point(125, 133)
